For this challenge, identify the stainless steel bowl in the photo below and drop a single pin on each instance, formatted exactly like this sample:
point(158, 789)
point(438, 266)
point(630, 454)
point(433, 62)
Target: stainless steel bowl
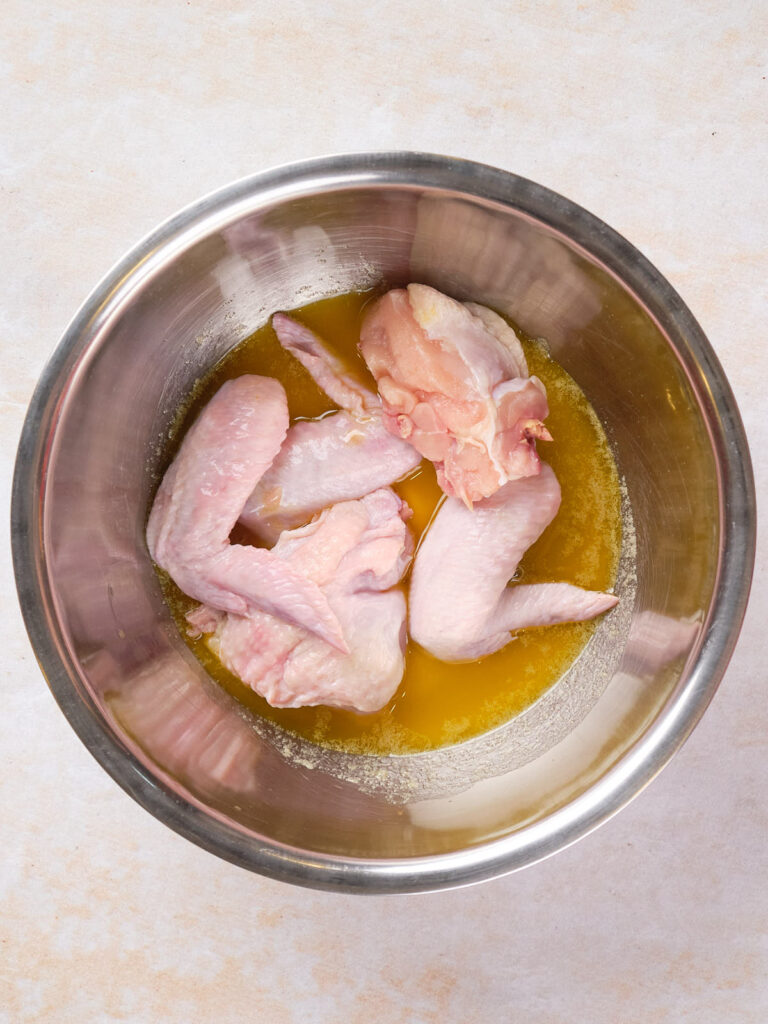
point(92, 447)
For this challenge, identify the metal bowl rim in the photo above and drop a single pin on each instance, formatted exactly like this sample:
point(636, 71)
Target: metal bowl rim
point(737, 516)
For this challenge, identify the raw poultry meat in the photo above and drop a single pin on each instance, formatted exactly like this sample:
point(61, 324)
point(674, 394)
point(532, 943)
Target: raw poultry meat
point(341, 456)
point(326, 369)
point(460, 605)
point(337, 458)
point(355, 552)
point(222, 457)
point(320, 618)
point(453, 382)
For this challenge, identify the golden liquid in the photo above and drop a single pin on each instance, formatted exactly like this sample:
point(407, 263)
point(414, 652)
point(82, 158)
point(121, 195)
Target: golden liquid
point(439, 703)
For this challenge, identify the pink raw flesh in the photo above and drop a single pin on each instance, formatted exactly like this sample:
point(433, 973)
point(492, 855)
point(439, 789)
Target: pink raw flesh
point(460, 605)
point(454, 384)
point(355, 553)
point(326, 369)
point(320, 618)
point(223, 456)
point(339, 457)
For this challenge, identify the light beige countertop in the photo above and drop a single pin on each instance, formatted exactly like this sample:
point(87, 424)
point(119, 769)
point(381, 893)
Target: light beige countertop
point(652, 115)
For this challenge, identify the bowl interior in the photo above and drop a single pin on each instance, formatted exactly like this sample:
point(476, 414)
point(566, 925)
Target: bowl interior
point(147, 708)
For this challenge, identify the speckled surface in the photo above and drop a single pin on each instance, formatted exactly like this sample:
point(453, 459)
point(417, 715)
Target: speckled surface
point(650, 114)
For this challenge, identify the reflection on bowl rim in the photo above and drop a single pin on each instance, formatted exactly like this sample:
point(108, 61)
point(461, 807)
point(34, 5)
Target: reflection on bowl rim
point(736, 497)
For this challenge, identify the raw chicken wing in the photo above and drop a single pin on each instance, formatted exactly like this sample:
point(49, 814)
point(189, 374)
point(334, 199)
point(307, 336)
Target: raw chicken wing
point(453, 382)
point(222, 457)
point(339, 457)
point(355, 552)
point(326, 369)
point(460, 605)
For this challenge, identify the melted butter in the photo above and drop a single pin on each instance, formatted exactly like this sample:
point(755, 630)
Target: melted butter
point(439, 703)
